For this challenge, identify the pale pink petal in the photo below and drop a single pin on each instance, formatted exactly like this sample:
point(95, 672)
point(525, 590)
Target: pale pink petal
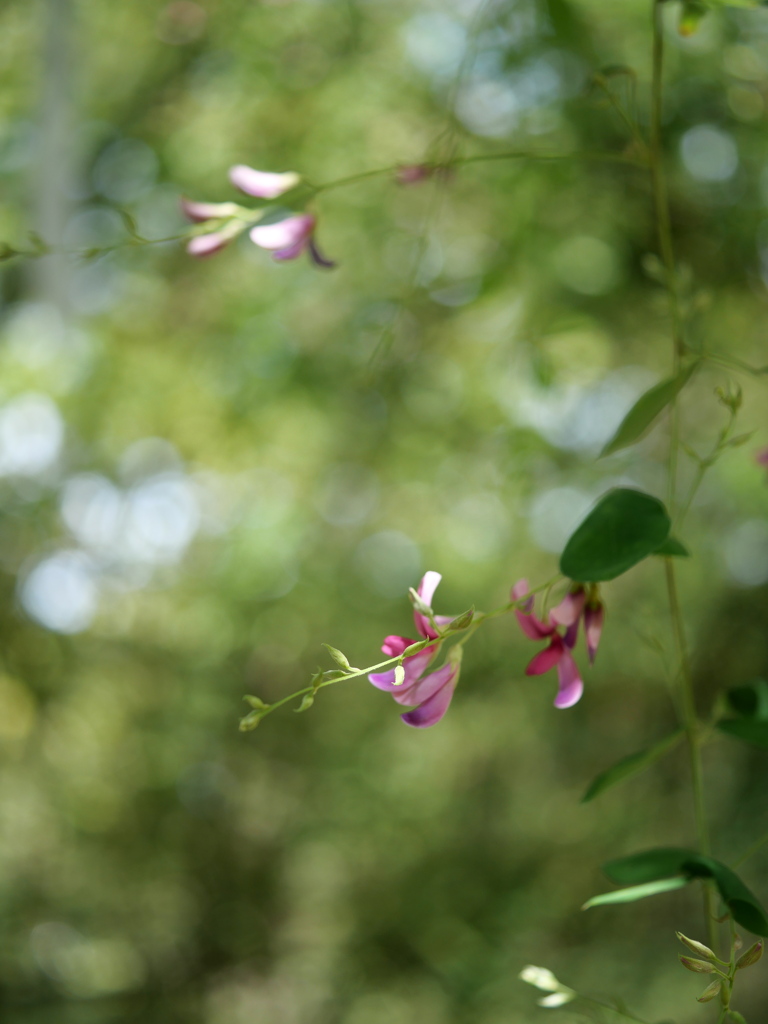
point(546, 659)
point(283, 234)
point(519, 591)
point(593, 627)
point(432, 710)
point(412, 174)
point(761, 457)
point(570, 685)
point(570, 608)
point(263, 184)
point(533, 628)
point(200, 212)
point(207, 245)
point(426, 591)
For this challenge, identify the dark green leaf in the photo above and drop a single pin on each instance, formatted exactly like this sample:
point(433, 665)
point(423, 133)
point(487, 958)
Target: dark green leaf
point(631, 765)
point(750, 700)
point(621, 530)
point(672, 548)
point(748, 729)
point(667, 862)
point(636, 892)
point(646, 409)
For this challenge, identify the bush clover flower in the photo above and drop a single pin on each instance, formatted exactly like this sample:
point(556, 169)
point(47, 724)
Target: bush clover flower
point(574, 606)
point(289, 238)
point(428, 695)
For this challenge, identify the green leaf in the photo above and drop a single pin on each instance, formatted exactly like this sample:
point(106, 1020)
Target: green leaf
point(673, 548)
point(749, 730)
point(636, 892)
point(632, 765)
point(750, 700)
point(667, 862)
point(621, 530)
point(646, 409)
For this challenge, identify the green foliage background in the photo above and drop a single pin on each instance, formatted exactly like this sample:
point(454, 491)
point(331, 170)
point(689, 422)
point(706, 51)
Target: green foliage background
point(340, 433)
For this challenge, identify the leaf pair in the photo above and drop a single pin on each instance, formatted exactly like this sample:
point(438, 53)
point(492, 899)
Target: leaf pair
point(665, 869)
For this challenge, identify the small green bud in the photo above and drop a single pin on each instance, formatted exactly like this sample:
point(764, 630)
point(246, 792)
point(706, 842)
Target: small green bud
point(710, 991)
point(697, 966)
point(738, 942)
point(251, 720)
point(338, 657)
point(399, 675)
point(421, 607)
point(752, 955)
point(696, 947)
point(414, 648)
point(306, 702)
point(462, 621)
point(256, 702)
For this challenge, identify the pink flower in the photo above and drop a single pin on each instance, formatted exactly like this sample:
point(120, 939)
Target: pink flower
point(262, 184)
point(428, 695)
point(413, 174)
point(289, 238)
point(761, 457)
point(558, 654)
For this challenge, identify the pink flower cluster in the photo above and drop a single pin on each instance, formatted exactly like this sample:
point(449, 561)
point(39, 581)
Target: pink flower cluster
point(428, 695)
point(574, 607)
point(286, 239)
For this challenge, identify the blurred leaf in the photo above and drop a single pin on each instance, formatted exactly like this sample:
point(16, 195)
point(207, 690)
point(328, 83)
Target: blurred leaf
point(750, 700)
point(666, 862)
point(632, 765)
point(637, 892)
point(621, 530)
point(746, 729)
point(673, 548)
point(644, 412)
point(690, 17)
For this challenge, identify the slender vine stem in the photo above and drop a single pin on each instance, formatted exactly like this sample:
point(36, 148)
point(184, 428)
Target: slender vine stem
point(664, 232)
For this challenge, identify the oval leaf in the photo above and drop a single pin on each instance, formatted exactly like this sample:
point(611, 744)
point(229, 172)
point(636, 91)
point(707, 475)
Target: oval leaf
point(673, 548)
point(648, 865)
point(624, 527)
point(641, 416)
point(632, 765)
point(748, 729)
point(636, 892)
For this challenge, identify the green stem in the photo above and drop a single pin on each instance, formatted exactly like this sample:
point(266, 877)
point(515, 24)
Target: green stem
point(664, 230)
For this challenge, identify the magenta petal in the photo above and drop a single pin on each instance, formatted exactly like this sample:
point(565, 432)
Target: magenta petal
point(571, 635)
point(533, 628)
point(519, 591)
point(263, 184)
point(570, 685)
point(426, 687)
point(284, 234)
point(432, 710)
point(207, 245)
point(569, 610)
point(546, 659)
point(761, 457)
point(593, 627)
point(413, 667)
point(394, 646)
point(292, 252)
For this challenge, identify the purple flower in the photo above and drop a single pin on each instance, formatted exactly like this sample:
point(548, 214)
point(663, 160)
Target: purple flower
point(262, 184)
point(558, 652)
point(289, 238)
point(761, 457)
point(428, 695)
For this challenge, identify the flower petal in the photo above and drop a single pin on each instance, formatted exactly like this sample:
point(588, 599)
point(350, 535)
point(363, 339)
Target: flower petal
point(207, 245)
point(571, 635)
point(284, 234)
point(570, 685)
point(317, 257)
point(414, 667)
point(199, 212)
point(426, 591)
point(394, 646)
point(533, 627)
point(291, 252)
point(546, 659)
point(424, 689)
point(570, 608)
point(263, 184)
point(433, 709)
point(594, 616)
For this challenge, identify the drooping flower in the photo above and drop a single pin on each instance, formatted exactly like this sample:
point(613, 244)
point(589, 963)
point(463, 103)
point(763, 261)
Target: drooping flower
point(289, 238)
point(262, 184)
point(761, 457)
point(574, 606)
point(428, 695)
